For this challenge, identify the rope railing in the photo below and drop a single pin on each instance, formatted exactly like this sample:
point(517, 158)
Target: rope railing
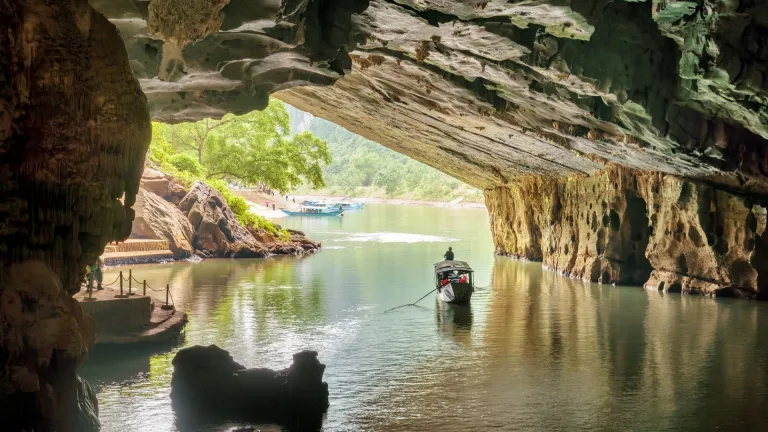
point(130, 279)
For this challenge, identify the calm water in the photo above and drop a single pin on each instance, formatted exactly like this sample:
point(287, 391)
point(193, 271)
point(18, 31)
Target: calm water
point(534, 352)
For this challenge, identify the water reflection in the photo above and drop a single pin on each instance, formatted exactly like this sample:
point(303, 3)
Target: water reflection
point(534, 351)
point(454, 321)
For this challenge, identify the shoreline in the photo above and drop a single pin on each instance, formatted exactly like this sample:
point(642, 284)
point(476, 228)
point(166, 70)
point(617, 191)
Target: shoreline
point(399, 201)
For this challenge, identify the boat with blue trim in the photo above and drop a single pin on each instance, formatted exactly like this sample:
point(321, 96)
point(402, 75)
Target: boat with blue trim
point(308, 210)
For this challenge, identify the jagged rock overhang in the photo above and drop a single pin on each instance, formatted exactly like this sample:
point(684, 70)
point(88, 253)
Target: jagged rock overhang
point(487, 91)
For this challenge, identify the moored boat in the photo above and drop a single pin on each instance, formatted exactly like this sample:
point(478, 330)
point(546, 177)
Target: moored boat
point(455, 281)
point(349, 205)
point(307, 210)
point(343, 205)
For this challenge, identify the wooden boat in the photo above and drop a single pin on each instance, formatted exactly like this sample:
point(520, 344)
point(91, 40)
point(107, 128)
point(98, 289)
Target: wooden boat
point(343, 205)
point(348, 205)
point(461, 283)
point(307, 210)
point(314, 203)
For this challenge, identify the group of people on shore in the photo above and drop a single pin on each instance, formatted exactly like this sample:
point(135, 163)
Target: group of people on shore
point(274, 204)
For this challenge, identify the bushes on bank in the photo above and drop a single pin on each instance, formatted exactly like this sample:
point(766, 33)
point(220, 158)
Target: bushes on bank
point(186, 163)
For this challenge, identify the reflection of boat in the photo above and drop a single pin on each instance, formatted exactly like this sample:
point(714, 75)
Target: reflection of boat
point(458, 314)
point(307, 210)
point(455, 321)
point(455, 281)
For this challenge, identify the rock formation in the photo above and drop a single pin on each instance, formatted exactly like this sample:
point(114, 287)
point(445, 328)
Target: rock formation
point(158, 183)
point(74, 130)
point(632, 227)
point(217, 231)
point(159, 219)
point(208, 385)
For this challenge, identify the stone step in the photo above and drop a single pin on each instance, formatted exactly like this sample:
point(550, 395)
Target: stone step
point(137, 245)
point(137, 257)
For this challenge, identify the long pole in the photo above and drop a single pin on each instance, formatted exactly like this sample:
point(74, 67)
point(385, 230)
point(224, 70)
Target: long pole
point(145, 287)
point(121, 283)
point(411, 304)
point(424, 296)
point(130, 282)
point(167, 290)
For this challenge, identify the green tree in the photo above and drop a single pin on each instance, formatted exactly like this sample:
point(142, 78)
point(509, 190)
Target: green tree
point(255, 148)
point(367, 164)
point(187, 163)
point(159, 148)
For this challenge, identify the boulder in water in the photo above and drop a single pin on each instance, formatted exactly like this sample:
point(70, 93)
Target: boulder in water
point(209, 385)
point(219, 234)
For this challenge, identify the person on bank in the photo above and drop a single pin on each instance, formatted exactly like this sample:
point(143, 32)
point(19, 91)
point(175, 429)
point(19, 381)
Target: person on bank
point(449, 255)
point(94, 272)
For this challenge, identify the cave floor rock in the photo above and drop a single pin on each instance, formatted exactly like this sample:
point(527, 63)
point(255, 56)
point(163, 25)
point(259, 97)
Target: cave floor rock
point(134, 319)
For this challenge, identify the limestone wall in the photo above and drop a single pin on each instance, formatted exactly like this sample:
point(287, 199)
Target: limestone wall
point(634, 227)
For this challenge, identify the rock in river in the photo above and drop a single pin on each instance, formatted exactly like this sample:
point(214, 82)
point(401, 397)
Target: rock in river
point(208, 385)
point(219, 234)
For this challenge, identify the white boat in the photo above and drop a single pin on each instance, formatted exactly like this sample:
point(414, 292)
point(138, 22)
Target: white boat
point(307, 210)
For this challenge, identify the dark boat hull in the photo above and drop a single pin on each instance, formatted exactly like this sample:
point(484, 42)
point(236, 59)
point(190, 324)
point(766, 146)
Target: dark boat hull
point(456, 293)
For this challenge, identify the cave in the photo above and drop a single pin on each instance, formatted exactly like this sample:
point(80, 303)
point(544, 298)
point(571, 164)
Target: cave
point(537, 105)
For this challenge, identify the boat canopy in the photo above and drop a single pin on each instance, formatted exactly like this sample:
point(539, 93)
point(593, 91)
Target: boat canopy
point(313, 207)
point(452, 265)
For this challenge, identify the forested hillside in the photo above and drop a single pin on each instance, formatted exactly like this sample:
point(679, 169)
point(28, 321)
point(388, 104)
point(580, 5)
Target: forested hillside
point(362, 167)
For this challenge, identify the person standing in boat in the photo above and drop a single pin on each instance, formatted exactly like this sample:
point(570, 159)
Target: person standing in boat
point(449, 255)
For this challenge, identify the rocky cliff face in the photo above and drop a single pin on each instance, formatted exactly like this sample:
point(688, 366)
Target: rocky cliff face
point(157, 218)
point(217, 231)
point(74, 130)
point(635, 227)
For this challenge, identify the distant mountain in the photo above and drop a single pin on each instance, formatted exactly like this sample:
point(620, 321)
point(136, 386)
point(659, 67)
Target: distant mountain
point(300, 120)
point(362, 167)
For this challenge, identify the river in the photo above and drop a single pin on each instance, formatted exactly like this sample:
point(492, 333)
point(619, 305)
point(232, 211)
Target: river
point(535, 352)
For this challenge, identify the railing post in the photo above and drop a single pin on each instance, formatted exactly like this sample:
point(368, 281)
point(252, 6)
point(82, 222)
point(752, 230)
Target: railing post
point(130, 282)
point(145, 287)
point(90, 288)
point(167, 290)
point(121, 283)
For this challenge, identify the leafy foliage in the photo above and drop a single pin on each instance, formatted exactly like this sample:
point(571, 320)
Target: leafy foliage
point(252, 149)
point(185, 162)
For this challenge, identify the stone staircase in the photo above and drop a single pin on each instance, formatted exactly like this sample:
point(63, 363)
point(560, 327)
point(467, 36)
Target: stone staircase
point(137, 251)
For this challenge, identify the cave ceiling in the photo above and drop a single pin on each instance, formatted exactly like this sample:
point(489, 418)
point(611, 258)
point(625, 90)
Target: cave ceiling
point(487, 91)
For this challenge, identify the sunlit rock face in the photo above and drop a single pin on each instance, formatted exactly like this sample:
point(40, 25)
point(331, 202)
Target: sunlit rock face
point(634, 227)
point(504, 95)
point(74, 130)
point(494, 91)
